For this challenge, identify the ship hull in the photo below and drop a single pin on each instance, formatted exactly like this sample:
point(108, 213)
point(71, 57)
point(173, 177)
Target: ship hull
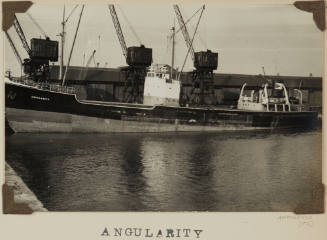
point(29, 109)
point(40, 121)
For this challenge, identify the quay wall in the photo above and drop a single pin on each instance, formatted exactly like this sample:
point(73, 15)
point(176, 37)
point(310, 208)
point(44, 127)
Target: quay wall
point(22, 194)
point(107, 84)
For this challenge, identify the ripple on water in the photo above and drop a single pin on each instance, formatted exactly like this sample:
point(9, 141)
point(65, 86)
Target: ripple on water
point(253, 171)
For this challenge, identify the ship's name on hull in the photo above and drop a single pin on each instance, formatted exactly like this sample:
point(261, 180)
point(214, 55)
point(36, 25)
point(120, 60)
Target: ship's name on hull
point(40, 98)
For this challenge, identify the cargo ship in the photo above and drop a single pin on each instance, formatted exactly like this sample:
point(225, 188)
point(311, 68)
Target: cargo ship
point(32, 107)
point(34, 104)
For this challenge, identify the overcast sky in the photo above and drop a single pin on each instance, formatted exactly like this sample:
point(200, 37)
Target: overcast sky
point(281, 38)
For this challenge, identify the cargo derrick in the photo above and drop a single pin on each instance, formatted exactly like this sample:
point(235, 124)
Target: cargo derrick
point(137, 59)
point(202, 92)
point(84, 70)
point(41, 52)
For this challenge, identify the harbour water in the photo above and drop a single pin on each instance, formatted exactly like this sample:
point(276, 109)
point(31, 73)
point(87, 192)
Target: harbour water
point(249, 171)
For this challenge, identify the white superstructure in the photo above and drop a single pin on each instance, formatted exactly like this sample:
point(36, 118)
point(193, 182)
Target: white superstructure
point(160, 88)
point(261, 101)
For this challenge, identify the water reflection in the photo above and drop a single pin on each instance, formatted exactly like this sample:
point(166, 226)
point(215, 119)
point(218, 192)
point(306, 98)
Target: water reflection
point(168, 172)
point(200, 173)
point(133, 183)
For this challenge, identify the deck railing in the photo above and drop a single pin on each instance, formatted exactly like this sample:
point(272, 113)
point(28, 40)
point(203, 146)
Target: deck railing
point(273, 107)
point(44, 86)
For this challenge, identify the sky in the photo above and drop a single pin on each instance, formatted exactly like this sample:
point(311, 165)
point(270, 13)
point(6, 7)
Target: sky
point(247, 37)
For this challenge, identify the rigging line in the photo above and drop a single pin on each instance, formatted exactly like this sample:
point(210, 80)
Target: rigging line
point(71, 50)
point(82, 68)
point(200, 38)
point(185, 33)
point(71, 13)
point(85, 68)
point(14, 48)
point(167, 43)
point(99, 48)
point(188, 20)
point(193, 28)
point(37, 25)
point(190, 45)
point(130, 25)
point(94, 62)
point(164, 56)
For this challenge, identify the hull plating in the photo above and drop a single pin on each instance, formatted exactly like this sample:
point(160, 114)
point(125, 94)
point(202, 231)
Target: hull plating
point(29, 109)
point(40, 121)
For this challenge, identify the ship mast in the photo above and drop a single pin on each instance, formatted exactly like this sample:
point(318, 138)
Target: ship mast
point(62, 36)
point(71, 50)
point(172, 52)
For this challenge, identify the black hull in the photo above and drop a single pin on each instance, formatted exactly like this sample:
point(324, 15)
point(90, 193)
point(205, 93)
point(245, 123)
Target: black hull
point(29, 109)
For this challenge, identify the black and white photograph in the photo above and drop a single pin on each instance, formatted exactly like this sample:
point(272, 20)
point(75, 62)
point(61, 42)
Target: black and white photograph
point(162, 107)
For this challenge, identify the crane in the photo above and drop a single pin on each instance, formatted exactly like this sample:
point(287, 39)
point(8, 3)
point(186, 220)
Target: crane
point(189, 19)
point(14, 48)
point(202, 91)
point(39, 53)
point(183, 28)
point(118, 29)
point(21, 35)
point(174, 32)
point(137, 59)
